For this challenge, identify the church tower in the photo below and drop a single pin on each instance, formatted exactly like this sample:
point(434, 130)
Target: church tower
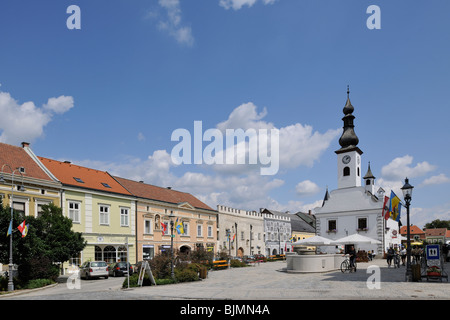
point(349, 155)
point(369, 181)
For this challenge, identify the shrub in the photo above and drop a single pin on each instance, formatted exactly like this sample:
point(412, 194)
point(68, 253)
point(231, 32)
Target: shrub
point(38, 268)
point(38, 283)
point(185, 275)
point(237, 264)
point(161, 266)
point(134, 281)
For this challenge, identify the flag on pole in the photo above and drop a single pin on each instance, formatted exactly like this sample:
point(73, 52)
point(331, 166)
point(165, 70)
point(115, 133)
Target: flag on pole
point(23, 228)
point(9, 229)
point(179, 226)
point(164, 228)
point(393, 205)
point(397, 212)
point(385, 212)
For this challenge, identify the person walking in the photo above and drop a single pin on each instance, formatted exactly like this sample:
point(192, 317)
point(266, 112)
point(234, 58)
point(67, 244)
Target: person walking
point(403, 255)
point(390, 256)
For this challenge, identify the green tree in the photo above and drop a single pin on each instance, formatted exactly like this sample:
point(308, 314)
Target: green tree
point(438, 224)
point(50, 240)
point(56, 230)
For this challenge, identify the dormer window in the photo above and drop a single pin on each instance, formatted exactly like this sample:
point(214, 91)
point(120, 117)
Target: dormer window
point(78, 180)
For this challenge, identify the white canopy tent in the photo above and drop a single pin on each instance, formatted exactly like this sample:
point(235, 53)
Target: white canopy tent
point(355, 239)
point(314, 241)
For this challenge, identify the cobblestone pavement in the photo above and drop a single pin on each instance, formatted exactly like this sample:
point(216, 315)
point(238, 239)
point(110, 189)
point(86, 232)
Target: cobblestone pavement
point(269, 281)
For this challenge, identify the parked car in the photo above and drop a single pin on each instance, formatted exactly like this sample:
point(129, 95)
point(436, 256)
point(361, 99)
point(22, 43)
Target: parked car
point(94, 269)
point(120, 269)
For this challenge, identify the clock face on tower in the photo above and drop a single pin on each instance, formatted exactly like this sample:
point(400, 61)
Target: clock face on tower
point(346, 159)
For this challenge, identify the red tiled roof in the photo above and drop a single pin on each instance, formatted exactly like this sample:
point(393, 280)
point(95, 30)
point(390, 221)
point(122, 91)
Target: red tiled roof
point(68, 174)
point(17, 157)
point(412, 230)
point(436, 232)
point(147, 191)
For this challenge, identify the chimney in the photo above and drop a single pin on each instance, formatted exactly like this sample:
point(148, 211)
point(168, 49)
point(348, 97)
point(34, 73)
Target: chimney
point(309, 212)
point(25, 144)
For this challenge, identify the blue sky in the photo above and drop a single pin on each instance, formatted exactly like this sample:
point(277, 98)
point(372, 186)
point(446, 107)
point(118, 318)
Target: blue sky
point(138, 70)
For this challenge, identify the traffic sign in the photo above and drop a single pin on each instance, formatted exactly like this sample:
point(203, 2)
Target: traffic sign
point(433, 252)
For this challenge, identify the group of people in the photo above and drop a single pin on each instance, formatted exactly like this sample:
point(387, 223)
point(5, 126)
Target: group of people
point(416, 253)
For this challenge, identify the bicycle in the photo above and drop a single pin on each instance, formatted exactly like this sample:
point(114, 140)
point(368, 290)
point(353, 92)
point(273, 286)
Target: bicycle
point(345, 266)
point(396, 261)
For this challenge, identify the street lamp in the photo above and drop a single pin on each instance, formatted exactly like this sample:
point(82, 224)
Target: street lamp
point(407, 193)
point(251, 228)
point(171, 216)
point(22, 188)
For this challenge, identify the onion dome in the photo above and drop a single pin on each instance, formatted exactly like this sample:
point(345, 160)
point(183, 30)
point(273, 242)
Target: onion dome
point(348, 137)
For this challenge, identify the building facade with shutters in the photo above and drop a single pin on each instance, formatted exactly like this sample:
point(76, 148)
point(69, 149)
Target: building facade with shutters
point(194, 222)
point(100, 208)
point(240, 232)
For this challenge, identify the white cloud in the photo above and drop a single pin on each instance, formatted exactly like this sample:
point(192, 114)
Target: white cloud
point(153, 170)
point(399, 168)
point(298, 144)
point(439, 179)
point(172, 22)
point(244, 117)
point(59, 105)
point(238, 4)
point(421, 216)
point(306, 188)
point(240, 186)
point(26, 121)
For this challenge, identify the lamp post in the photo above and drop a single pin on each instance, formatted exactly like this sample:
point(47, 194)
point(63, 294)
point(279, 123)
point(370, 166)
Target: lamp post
point(171, 216)
point(251, 228)
point(407, 192)
point(2, 180)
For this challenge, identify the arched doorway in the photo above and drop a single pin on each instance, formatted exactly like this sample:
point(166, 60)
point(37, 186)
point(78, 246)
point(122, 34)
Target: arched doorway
point(274, 251)
point(98, 254)
point(109, 254)
point(185, 250)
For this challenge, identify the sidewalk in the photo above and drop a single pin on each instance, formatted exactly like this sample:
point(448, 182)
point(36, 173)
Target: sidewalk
point(270, 281)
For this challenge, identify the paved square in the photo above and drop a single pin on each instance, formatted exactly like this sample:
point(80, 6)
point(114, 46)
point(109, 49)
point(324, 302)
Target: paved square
point(271, 281)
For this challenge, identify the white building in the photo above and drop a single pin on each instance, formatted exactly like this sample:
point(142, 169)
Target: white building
point(277, 232)
point(352, 207)
point(240, 232)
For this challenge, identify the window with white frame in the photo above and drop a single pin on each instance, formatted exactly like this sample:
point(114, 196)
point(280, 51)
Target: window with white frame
point(124, 217)
point(332, 226)
point(147, 226)
point(199, 230)
point(74, 211)
point(19, 207)
point(104, 214)
point(210, 231)
point(40, 203)
point(362, 224)
point(185, 228)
